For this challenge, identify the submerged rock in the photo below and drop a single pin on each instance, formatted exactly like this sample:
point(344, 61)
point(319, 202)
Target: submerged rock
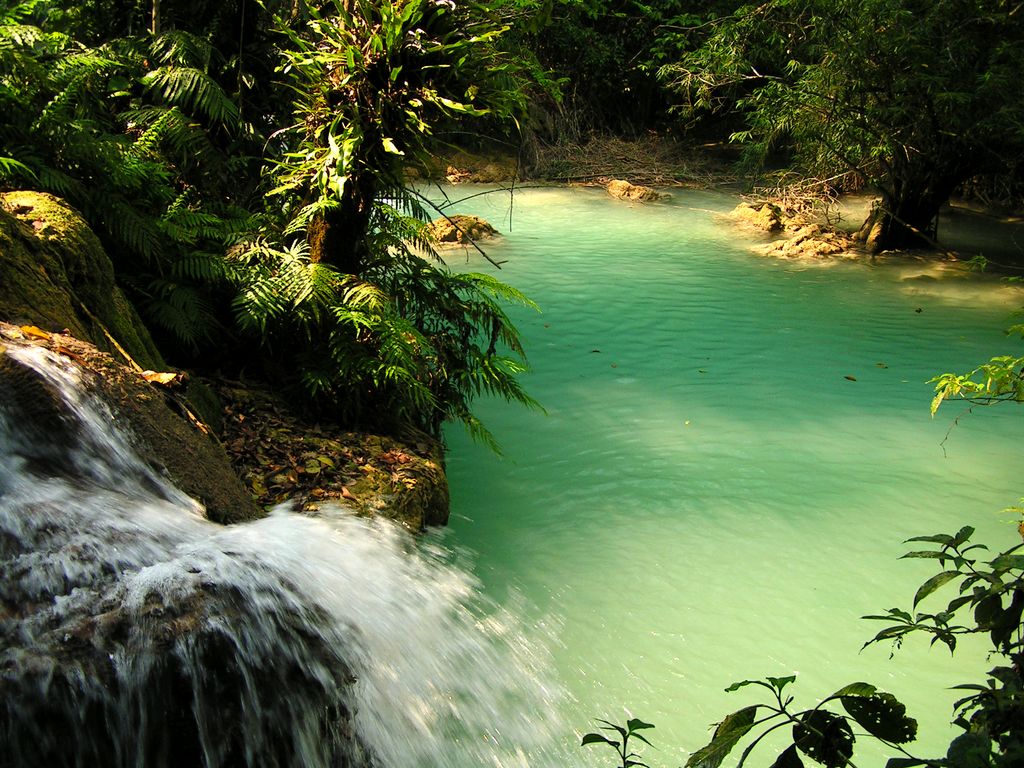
point(623, 190)
point(461, 230)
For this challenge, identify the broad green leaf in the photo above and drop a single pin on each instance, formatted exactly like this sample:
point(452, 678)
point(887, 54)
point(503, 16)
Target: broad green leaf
point(987, 611)
point(938, 538)
point(778, 683)
point(637, 725)
point(933, 584)
point(855, 689)
point(883, 716)
point(595, 738)
point(929, 553)
point(613, 727)
point(727, 734)
point(1007, 562)
point(742, 684)
point(390, 146)
point(641, 737)
point(970, 750)
point(962, 535)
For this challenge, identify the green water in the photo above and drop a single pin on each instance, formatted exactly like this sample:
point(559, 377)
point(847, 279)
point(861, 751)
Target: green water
point(708, 497)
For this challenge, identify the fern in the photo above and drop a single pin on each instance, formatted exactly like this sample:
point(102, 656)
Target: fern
point(194, 91)
point(183, 310)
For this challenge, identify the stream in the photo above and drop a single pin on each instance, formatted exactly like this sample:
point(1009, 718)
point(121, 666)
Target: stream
point(733, 450)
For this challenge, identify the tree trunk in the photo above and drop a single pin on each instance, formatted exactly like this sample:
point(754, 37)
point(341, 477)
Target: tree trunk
point(337, 237)
point(907, 215)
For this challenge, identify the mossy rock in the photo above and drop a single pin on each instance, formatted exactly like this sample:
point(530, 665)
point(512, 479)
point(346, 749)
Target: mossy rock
point(55, 274)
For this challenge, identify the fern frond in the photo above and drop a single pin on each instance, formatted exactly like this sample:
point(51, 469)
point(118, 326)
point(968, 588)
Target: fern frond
point(202, 267)
point(183, 310)
point(300, 221)
point(14, 169)
point(133, 229)
point(194, 91)
point(182, 48)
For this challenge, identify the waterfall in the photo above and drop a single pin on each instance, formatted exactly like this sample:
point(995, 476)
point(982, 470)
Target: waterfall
point(137, 633)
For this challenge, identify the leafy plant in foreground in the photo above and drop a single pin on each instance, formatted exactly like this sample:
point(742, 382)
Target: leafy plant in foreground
point(823, 732)
point(989, 601)
point(991, 594)
point(627, 757)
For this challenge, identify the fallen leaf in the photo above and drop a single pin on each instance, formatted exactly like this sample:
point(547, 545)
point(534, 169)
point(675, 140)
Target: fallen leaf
point(881, 365)
point(347, 494)
point(159, 377)
point(850, 378)
point(31, 330)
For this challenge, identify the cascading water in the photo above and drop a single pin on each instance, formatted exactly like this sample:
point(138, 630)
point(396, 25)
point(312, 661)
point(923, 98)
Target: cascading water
point(137, 633)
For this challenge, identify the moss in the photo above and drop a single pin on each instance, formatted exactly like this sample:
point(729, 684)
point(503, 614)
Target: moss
point(55, 274)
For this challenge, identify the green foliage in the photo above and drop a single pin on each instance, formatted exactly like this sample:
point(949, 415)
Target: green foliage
point(627, 758)
point(911, 96)
point(127, 131)
point(138, 115)
point(387, 335)
point(998, 380)
point(373, 83)
point(823, 733)
point(988, 601)
point(605, 54)
point(406, 342)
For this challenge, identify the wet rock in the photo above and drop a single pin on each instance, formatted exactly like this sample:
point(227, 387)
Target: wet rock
point(281, 458)
point(623, 190)
point(812, 241)
point(167, 435)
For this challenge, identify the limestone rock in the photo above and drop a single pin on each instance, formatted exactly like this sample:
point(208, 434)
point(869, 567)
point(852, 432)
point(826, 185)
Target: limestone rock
point(623, 190)
point(765, 216)
point(461, 230)
point(54, 274)
point(812, 242)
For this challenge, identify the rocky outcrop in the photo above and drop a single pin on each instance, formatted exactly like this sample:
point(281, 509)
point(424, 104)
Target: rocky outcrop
point(460, 230)
point(280, 458)
point(812, 241)
point(55, 275)
point(623, 190)
point(157, 419)
point(764, 216)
